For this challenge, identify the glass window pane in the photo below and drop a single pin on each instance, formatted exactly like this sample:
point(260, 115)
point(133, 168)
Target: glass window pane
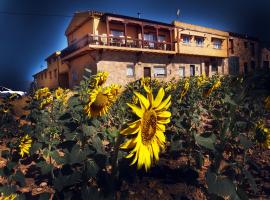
point(130, 70)
point(182, 71)
point(159, 71)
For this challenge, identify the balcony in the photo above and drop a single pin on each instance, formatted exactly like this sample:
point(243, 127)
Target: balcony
point(118, 43)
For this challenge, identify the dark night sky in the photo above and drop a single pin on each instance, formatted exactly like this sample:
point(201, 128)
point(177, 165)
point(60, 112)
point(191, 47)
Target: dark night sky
point(26, 40)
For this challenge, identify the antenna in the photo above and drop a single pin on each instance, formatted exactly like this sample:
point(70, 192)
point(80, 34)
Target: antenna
point(139, 14)
point(177, 13)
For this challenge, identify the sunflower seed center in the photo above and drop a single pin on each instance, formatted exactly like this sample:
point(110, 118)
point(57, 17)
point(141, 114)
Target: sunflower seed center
point(100, 101)
point(149, 124)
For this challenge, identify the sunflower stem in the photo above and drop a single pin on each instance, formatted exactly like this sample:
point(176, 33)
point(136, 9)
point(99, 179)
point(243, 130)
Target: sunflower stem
point(115, 156)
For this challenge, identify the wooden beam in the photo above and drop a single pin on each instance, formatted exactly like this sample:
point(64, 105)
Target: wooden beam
point(156, 36)
point(171, 39)
point(108, 30)
point(125, 32)
point(142, 36)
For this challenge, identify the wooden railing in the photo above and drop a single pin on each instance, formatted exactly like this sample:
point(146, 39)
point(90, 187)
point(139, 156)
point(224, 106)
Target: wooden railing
point(117, 41)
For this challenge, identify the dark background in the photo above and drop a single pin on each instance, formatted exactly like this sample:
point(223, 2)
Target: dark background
point(30, 30)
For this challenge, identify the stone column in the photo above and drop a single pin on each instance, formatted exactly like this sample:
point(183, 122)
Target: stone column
point(202, 68)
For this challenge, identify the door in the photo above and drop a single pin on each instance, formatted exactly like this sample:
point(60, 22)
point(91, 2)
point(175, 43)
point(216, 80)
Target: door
point(192, 70)
point(63, 80)
point(207, 69)
point(147, 72)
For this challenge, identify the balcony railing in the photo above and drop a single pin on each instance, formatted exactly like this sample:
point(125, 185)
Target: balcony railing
point(117, 41)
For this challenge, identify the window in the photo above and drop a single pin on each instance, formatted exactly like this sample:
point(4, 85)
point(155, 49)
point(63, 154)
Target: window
point(55, 73)
point(130, 70)
point(231, 46)
point(252, 65)
point(159, 71)
point(50, 74)
point(245, 68)
point(41, 76)
point(149, 37)
point(252, 48)
point(45, 75)
point(74, 76)
point(182, 71)
point(217, 43)
point(192, 70)
point(161, 38)
point(245, 45)
point(199, 41)
point(117, 33)
point(186, 39)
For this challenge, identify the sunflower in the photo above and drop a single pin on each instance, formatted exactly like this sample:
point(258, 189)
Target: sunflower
point(5, 110)
point(185, 89)
point(267, 102)
point(201, 80)
point(145, 82)
point(99, 101)
point(262, 135)
point(40, 93)
point(25, 144)
point(99, 79)
point(215, 86)
point(9, 197)
point(115, 89)
point(149, 130)
point(59, 92)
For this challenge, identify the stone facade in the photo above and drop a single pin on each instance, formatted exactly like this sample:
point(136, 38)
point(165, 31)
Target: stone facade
point(244, 54)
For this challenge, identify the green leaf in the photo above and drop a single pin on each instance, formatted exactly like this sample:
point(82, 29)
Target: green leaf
point(89, 130)
point(220, 185)
point(19, 177)
point(176, 145)
point(92, 168)
point(60, 182)
point(207, 142)
point(44, 196)
point(97, 144)
point(7, 190)
point(251, 181)
point(245, 142)
point(45, 167)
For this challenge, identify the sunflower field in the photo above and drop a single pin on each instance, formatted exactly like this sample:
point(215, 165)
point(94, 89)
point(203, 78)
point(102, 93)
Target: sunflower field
point(193, 138)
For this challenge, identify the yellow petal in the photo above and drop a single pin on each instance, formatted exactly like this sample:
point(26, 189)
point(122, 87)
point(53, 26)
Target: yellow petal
point(128, 144)
point(164, 121)
point(130, 131)
point(136, 110)
point(164, 114)
point(159, 97)
point(164, 103)
point(143, 100)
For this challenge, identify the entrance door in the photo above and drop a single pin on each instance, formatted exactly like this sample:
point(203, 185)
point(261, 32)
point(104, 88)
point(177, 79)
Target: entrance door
point(192, 70)
point(63, 80)
point(147, 72)
point(207, 68)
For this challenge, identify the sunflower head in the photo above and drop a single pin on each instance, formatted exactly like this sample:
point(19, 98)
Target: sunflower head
point(115, 89)
point(262, 134)
point(25, 145)
point(201, 80)
point(40, 93)
point(148, 131)
point(145, 82)
point(100, 100)
point(185, 88)
point(9, 197)
point(59, 92)
point(5, 109)
point(215, 86)
point(99, 79)
point(267, 102)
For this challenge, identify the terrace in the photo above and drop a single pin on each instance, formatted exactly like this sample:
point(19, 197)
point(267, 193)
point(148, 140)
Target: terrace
point(126, 35)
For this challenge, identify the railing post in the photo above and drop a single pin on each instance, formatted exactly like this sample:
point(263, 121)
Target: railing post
point(125, 32)
point(171, 39)
point(108, 31)
point(142, 35)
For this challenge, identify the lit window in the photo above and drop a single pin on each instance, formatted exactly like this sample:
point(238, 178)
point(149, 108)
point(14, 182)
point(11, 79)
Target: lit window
point(161, 38)
point(199, 41)
point(130, 70)
point(117, 33)
point(182, 71)
point(186, 39)
point(159, 71)
point(217, 43)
